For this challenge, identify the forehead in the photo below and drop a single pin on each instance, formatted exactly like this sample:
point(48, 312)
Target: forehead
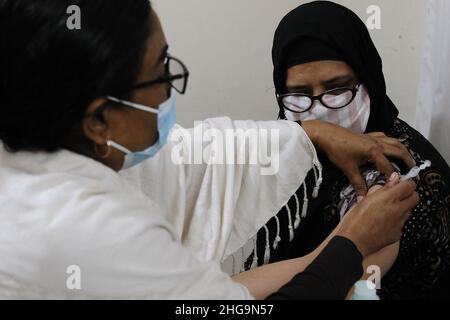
point(318, 70)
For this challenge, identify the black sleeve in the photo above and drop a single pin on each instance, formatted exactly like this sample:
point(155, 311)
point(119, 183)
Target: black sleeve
point(329, 277)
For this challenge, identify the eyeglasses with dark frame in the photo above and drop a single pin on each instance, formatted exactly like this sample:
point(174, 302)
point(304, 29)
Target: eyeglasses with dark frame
point(335, 99)
point(176, 74)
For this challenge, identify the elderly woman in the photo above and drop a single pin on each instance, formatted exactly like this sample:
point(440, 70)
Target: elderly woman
point(327, 68)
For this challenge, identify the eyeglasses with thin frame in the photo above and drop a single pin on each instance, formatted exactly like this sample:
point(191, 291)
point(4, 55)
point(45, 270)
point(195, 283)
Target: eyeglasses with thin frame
point(335, 99)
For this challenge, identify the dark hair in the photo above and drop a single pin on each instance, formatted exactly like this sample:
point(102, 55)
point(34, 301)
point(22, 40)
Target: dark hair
point(49, 74)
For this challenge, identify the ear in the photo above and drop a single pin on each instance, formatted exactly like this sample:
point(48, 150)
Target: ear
point(93, 128)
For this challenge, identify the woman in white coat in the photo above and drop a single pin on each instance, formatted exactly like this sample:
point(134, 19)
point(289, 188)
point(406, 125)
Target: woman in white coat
point(78, 106)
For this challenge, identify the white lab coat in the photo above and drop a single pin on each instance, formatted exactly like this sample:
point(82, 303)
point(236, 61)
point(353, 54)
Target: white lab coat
point(71, 227)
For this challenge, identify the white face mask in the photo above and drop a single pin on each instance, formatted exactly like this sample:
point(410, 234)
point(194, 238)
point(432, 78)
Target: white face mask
point(355, 116)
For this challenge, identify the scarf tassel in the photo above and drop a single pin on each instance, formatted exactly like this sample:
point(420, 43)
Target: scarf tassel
point(255, 253)
point(267, 250)
point(291, 228)
point(297, 212)
point(277, 238)
point(318, 177)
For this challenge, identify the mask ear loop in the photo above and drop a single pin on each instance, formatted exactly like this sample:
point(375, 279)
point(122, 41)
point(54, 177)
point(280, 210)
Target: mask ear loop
point(134, 105)
point(117, 146)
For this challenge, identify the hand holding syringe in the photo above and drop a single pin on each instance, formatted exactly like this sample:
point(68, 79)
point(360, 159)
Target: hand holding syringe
point(416, 170)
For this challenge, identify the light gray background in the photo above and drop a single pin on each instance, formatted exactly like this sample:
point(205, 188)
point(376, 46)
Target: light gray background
point(227, 44)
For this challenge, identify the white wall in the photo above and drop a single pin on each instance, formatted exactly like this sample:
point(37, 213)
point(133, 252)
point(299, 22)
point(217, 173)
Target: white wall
point(227, 48)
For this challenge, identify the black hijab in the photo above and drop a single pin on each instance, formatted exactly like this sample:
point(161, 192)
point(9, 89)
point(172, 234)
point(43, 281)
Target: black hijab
point(323, 30)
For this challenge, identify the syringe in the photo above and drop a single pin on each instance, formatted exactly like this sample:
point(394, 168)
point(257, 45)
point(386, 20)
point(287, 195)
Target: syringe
point(414, 172)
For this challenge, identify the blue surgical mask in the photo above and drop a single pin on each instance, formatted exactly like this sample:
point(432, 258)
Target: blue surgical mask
point(166, 120)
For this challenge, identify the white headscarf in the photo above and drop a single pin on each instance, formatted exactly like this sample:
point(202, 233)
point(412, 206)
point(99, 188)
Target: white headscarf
point(162, 237)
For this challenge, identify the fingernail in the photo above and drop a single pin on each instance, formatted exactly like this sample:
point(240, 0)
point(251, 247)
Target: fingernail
point(360, 198)
point(394, 176)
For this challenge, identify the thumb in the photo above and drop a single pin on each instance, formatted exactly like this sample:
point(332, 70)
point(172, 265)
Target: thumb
point(393, 180)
